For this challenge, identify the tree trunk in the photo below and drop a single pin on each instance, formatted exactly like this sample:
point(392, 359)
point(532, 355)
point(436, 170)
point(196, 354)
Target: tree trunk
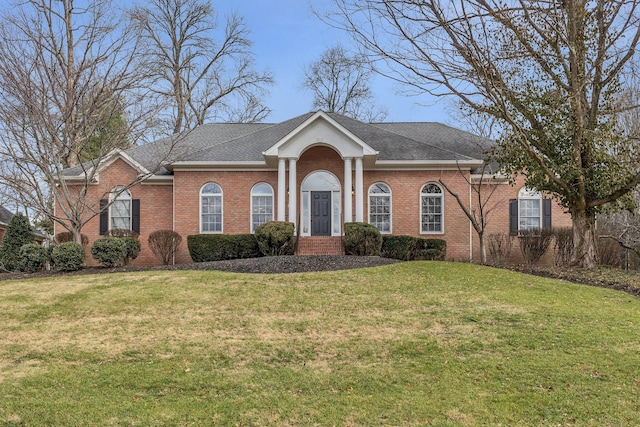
point(483, 249)
point(585, 254)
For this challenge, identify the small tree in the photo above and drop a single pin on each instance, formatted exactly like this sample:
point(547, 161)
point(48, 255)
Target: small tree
point(164, 244)
point(18, 233)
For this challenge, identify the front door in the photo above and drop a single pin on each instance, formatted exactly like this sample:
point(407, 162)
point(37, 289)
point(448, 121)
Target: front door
point(321, 213)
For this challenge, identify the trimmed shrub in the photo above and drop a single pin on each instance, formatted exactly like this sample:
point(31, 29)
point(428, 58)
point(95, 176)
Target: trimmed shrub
point(18, 233)
point(133, 248)
point(563, 245)
point(33, 258)
point(276, 238)
point(164, 244)
point(217, 247)
point(361, 239)
point(534, 243)
point(109, 251)
point(408, 248)
point(67, 256)
point(67, 236)
point(500, 245)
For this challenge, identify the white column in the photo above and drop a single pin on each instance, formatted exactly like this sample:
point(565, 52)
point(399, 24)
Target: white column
point(293, 191)
point(359, 191)
point(348, 213)
point(282, 189)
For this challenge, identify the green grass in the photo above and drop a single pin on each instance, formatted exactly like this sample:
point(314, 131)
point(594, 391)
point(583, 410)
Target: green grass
point(412, 344)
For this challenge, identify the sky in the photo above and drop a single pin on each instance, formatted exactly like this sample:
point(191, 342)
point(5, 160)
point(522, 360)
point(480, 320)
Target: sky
point(287, 37)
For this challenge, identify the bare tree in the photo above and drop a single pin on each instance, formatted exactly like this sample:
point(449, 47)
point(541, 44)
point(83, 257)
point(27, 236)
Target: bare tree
point(66, 70)
point(202, 72)
point(549, 71)
point(483, 187)
point(340, 83)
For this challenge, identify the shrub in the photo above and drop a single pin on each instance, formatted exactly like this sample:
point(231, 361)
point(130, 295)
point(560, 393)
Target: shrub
point(133, 248)
point(109, 251)
point(67, 256)
point(609, 252)
point(18, 233)
point(276, 238)
point(361, 239)
point(217, 247)
point(534, 243)
point(563, 245)
point(408, 248)
point(33, 258)
point(500, 245)
point(164, 244)
point(67, 236)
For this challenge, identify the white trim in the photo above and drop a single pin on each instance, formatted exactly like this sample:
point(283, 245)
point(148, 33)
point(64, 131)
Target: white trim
point(221, 208)
point(359, 191)
point(116, 195)
point(252, 195)
point(282, 189)
point(334, 194)
point(348, 208)
point(274, 149)
point(293, 191)
point(536, 196)
point(390, 195)
point(442, 208)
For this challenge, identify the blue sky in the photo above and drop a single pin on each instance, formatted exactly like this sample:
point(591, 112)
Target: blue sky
point(288, 36)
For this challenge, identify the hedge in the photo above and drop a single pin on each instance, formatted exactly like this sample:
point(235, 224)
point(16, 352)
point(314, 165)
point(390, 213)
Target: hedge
point(217, 247)
point(67, 256)
point(409, 248)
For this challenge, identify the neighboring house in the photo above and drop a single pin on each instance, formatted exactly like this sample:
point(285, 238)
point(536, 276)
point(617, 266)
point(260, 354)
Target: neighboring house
point(5, 218)
point(318, 170)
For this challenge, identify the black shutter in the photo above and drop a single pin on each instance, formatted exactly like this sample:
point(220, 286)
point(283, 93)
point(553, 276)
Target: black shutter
point(135, 215)
point(546, 213)
point(104, 216)
point(513, 217)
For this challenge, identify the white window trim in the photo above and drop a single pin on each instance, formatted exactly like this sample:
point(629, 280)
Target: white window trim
point(442, 216)
point(116, 195)
point(390, 195)
point(251, 195)
point(536, 196)
point(221, 209)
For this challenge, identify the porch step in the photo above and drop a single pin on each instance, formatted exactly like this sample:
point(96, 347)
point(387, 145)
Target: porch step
point(320, 245)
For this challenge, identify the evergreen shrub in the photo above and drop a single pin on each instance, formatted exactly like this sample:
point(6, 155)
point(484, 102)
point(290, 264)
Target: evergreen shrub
point(67, 256)
point(408, 248)
point(18, 233)
point(362, 239)
point(33, 258)
point(217, 247)
point(276, 238)
point(109, 251)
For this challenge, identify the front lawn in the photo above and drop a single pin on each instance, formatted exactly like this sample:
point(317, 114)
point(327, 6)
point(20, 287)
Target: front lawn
point(420, 343)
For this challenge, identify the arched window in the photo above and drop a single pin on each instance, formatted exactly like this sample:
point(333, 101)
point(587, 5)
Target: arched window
point(380, 207)
point(432, 209)
point(261, 205)
point(529, 209)
point(120, 209)
point(211, 208)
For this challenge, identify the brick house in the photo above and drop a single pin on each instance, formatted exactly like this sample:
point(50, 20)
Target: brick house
point(318, 170)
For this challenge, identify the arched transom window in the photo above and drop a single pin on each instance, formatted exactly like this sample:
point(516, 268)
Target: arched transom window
point(380, 207)
point(432, 209)
point(211, 208)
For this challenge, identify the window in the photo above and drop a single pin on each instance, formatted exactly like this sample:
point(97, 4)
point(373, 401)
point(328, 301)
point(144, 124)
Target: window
point(529, 211)
point(120, 209)
point(380, 207)
point(431, 202)
point(261, 205)
point(211, 208)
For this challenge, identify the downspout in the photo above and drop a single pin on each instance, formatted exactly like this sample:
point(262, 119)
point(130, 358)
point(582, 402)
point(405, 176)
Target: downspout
point(173, 210)
point(470, 224)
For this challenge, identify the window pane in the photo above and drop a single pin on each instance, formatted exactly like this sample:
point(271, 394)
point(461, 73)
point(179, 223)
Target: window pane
point(262, 210)
point(432, 214)
point(212, 213)
point(380, 212)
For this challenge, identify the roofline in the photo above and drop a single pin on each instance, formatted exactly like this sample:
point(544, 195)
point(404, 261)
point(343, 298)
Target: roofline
point(422, 164)
point(273, 150)
point(207, 165)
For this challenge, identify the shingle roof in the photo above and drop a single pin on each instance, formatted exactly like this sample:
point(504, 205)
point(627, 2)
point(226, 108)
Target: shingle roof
point(246, 142)
point(5, 215)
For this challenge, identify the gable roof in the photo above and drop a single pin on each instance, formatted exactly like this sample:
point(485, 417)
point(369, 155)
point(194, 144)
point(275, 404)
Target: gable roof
point(249, 144)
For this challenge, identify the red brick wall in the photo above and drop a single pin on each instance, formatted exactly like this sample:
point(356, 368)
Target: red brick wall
point(157, 202)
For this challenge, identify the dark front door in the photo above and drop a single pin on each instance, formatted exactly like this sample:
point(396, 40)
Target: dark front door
point(321, 213)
